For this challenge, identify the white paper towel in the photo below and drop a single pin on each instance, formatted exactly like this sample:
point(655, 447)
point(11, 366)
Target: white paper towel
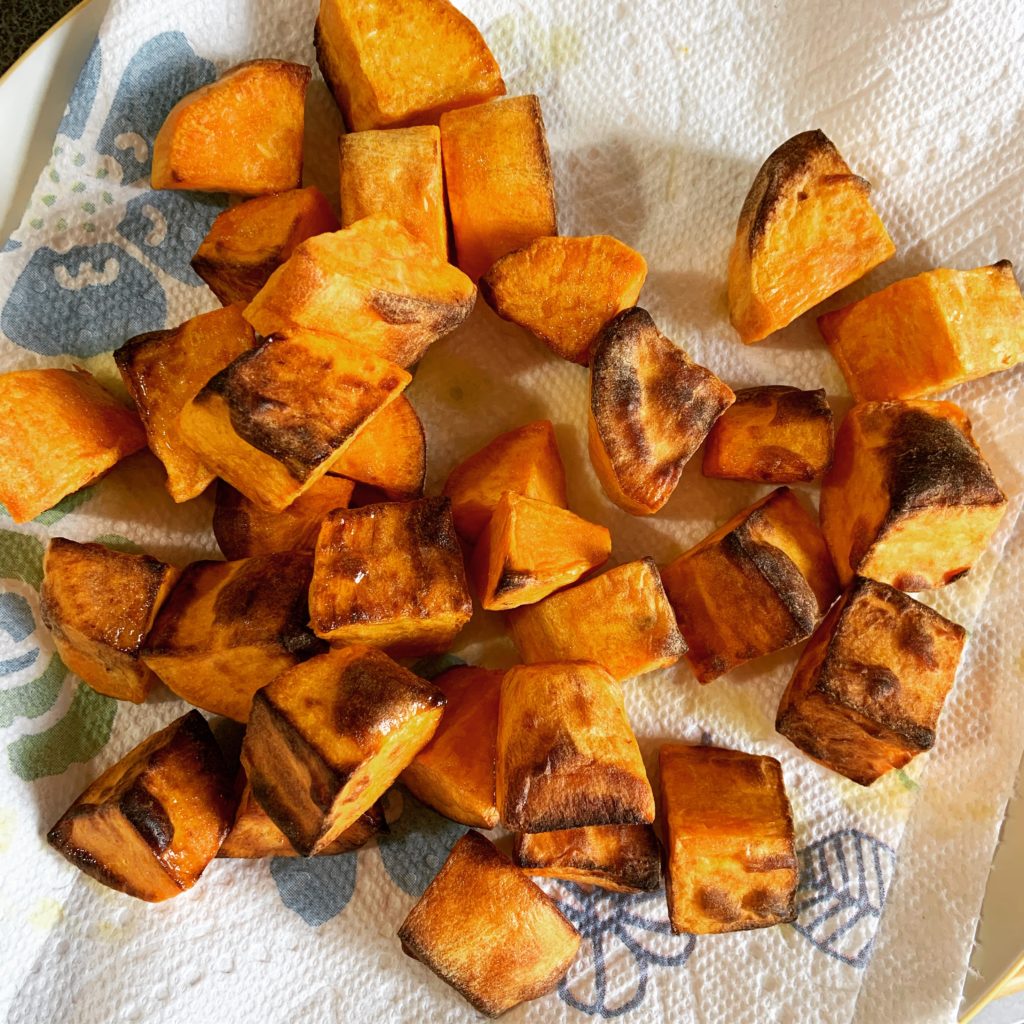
point(658, 115)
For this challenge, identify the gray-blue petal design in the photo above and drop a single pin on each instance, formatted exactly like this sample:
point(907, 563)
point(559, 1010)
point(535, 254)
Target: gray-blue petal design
point(316, 888)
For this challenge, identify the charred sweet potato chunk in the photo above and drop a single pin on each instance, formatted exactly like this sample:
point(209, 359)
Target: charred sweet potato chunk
point(623, 858)
point(229, 627)
point(928, 333)
point(396, 174)
point(277, 418)
point(525, 461)
point(868, 690)
point(759, 583)
point(488, 931)
point(150, 824)
point(59, 430)
point(567, 756)
point(391, 576)
point(454, 772)
point(651, 406)
point(621, 619)
point(402, 62)
point(371, 285)
point(497, 169)
point(909, 500)
point(164, 370)
point(774, 434)
point(806, 230)
point(247, 243)
point(328, 737)
point(564, 290)
point(242, 133)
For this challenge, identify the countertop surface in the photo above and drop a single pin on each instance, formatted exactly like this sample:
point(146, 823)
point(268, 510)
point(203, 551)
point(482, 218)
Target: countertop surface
point(22, 22)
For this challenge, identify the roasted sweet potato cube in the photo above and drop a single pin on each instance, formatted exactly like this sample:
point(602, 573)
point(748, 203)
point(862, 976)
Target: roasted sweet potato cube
point(909, 500)
point(247, 243)
point(164, 370)
point(759, 583)
point(623, 858)
point(391, 576)
point(230, 627)
point(651, 406)
point(497, 171)
point(59, 430)
point(484, 928)
point(277, 418)
point(928, 333)
point(567, 756)
point(150, 824)
point(564, 290)
point(868, 690)
point(373, 285)
point(454, 772)
point(402, 62)
point(807, 229)
point(328, 737)
point(242, 133)
point(525, 461)
point(396, 174)
point(621, 619)
point(774, 434)
point(530, 549)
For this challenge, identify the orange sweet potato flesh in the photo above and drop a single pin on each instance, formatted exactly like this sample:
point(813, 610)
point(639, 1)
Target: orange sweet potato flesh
point(59, 430)
point(807, 229)
point(247, 243)
point(497, 170)
point(564, 290)
point(241, 134)
point(928, 333)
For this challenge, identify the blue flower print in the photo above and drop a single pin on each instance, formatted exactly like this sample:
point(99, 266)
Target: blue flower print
point(316, 888)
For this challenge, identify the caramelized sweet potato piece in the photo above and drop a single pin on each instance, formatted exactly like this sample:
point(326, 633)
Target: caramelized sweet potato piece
point(564, 290)
point(372, 285)
point(402, 62)
point(497, 171)
point(730, 854)
point(163, 370)
point(454, 772)
point(390, 576)
point(150, 824)
point(488, 931)
point(621, 619)
point(247, 243)
point(807, 229)
point(229, 627)
point(868, 690)
point(909, 499)
point(758, 584)
point(774, 434)
point(328, 737)
point(928, 333)
point(59, 430)
point(242, 133)
point(650, 409)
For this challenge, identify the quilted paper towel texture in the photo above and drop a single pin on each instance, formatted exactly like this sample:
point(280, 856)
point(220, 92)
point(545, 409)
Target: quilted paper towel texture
point(658, 116)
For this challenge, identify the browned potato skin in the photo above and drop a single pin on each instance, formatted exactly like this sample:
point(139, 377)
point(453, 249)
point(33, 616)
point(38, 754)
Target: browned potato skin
point(100, 604)
point(729, 844)
point(327, 738)
point(650, 409)
point(567, 756)
point(230, 627)
point(150, 824)
point(622, 858)
point(488, 931)
point(868, 690)
point(775, 434)
point(759, 583)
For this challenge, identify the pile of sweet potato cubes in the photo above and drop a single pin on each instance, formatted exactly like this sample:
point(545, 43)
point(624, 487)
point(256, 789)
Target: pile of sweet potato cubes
point(289, 400)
